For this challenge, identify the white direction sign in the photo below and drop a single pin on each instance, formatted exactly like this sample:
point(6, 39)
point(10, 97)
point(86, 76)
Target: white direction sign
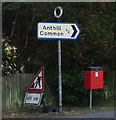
point(49, 30)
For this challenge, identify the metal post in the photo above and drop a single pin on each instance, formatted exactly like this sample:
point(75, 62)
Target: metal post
point(90, 99)
point(60, 77)
point(59, 56)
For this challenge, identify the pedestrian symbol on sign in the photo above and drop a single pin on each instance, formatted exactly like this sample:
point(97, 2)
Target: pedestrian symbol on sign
point(37, 83)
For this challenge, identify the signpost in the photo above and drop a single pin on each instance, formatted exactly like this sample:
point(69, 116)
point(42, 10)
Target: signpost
point(51, 30)
point(60, 31)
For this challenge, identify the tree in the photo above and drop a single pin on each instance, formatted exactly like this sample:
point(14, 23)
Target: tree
point(94, 47)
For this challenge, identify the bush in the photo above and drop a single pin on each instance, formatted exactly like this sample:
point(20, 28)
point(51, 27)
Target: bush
point(73, 89)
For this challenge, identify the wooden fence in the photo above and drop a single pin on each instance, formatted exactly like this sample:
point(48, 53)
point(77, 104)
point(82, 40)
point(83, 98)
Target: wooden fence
point(13, 90)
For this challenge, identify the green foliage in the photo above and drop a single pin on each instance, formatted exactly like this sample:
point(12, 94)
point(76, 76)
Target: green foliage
point(9, 58)
point(100, 92)
point(51, 77)
point(94, 47)
point(73, 89)
point(95, 20)
point(14, 6)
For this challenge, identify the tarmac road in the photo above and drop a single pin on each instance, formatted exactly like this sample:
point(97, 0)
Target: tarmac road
point(103, 114)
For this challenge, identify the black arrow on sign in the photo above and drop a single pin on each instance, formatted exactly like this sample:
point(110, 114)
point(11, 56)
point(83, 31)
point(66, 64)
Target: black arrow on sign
point(75, 30)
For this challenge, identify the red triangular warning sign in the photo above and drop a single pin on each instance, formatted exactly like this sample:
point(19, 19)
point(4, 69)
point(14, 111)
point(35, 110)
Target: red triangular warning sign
point(38, 82)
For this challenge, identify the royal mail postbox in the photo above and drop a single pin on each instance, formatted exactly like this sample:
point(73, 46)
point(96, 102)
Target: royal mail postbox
point(93, 78)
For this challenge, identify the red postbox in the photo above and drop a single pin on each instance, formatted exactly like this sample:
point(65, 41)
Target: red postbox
point(93, 78)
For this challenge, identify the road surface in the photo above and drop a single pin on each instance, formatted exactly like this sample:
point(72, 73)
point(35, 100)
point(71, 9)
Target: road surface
point(104, 114)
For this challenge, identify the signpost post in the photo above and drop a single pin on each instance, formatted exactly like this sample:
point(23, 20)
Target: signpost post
point(59, 58)
point(53, 30)
point(60, 75)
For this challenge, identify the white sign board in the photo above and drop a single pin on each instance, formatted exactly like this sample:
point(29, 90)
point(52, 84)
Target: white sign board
point(33, 98)
point(48, 30)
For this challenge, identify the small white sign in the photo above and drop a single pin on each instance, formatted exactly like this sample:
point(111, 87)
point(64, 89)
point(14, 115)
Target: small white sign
point(33, 98)
point(96, 74)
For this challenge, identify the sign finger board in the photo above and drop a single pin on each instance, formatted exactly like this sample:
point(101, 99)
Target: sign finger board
point(49, 30)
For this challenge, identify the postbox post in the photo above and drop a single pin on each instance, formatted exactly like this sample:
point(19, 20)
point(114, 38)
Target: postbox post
point(90, 99)
point(93, 79)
